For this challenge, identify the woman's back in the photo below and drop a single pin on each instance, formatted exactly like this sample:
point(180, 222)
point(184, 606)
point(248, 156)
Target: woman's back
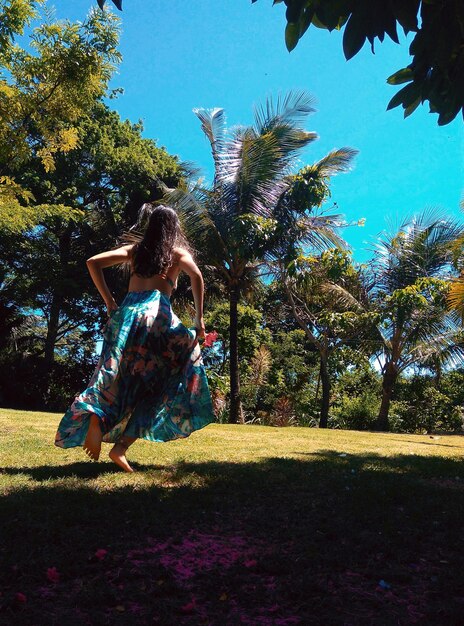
point(165, 282)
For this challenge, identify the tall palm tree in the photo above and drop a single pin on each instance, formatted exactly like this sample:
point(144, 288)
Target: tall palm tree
point(232, 222)
point(408, 291)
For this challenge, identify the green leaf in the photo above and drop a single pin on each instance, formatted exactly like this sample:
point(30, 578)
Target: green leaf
point(333, 14)
point(406, 12)
point(446, 117)
point(401, 76)
point(354, 36)
point(294, 10)
point(317, 22)
point(405, 96)
point(412, 107)
point(305, 20)
point(292, 35)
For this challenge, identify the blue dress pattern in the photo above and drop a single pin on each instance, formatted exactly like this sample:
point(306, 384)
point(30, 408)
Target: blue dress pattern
point(149, 383)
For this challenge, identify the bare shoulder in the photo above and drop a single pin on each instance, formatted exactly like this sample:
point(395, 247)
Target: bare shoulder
point(129, 248)
point(181, 254)
point(186, 263)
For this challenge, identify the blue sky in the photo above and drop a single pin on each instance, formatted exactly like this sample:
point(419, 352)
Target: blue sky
point(230, 53)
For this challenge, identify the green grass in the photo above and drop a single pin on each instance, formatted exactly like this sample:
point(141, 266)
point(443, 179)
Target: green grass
point(235, 525)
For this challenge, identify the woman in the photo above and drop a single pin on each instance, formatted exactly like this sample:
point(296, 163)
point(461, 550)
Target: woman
point(149, 382)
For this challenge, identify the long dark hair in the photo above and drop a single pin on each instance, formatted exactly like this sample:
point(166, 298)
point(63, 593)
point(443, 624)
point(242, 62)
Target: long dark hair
point(155, 235)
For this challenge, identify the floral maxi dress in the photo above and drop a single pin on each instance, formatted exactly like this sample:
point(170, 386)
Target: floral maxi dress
point(149, 383)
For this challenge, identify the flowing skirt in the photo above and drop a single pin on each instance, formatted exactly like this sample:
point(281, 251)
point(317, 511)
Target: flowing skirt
point(149, 383)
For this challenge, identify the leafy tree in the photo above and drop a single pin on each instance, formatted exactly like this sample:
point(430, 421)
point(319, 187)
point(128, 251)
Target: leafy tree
point(325, 293)
point(301, 227)
point(437, 50)
point(253, 338)
point(421, 407)
point(103, 180)
point(408, 293)
point(291, 382)
point(45, 89)
point(232, 223)
point(456, 291)
point(356, 389)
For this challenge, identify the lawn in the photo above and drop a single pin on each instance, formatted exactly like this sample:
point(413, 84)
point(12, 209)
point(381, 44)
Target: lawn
point(235, 525)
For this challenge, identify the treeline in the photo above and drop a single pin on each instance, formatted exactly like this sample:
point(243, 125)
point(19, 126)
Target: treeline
point(72, 177)
point(304, 334)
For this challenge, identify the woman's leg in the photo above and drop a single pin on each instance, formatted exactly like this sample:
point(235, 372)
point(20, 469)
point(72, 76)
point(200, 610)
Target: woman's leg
point(118, 452)
point(93, 441)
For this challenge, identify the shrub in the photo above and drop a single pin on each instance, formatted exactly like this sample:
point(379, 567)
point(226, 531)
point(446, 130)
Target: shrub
point(356, 412)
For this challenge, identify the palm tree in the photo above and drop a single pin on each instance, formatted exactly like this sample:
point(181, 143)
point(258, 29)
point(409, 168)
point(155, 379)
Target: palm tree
point(456, 291)
point(408, 292)
point(326, 297)
point(232, 222)
point(303, 229)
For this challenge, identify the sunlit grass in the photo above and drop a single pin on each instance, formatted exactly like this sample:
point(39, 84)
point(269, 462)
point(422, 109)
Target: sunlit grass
point(26, 440)
point(307, 521)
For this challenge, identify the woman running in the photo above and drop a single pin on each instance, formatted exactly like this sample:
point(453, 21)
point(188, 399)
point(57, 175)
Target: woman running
point(150, 382)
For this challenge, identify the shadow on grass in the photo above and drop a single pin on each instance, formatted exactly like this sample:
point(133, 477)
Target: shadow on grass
point(80, 469)
point(428, 443)
point(326, 539)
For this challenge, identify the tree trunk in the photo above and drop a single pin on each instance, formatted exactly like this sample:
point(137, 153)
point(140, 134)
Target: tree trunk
point(235, 402)
point(325, 400)
point(388, 384)
point(64, 241)
point(52, 332)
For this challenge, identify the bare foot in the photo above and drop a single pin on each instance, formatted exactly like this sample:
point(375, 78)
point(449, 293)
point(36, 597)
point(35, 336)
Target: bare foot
point(93, 441)
point(118, 456)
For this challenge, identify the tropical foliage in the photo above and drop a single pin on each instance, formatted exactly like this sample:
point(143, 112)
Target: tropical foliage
point(302, 334)
point(59, 201)
point(241, 219)
point(408, 292)
point(435, 71)
point(46, 86)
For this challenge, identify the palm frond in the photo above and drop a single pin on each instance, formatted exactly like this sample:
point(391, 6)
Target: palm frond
point(260, 365)
point(342, 298)
point(420, 248)
point(441, 347)
point(289, 110)
point(336, 161)
point(253, 177)
point(430, 326)
point(198, 223)
point(213, 124)
point(320, 232)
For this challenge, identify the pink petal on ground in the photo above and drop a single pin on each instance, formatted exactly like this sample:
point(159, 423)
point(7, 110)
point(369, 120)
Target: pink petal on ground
point(189, 607)
point(101, 553)
point(250, 563)
point(53, 575)
point(20, 597)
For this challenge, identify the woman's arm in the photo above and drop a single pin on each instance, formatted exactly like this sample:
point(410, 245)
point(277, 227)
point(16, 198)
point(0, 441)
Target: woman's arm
point(188, 265)
point(95, 266)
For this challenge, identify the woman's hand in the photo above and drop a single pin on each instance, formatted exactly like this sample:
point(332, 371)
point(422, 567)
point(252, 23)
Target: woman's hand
point(200, 326)
point(111, 306)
